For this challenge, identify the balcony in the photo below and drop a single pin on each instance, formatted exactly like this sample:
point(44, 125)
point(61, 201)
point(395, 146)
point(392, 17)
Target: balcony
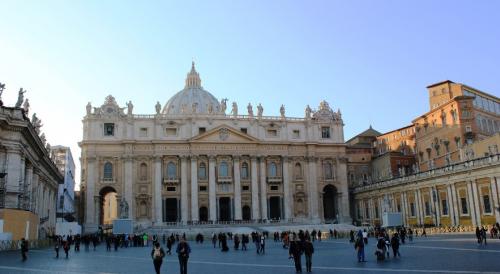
point(108, 181)
point(172, 181)
point(224, 179)
point(274, 180)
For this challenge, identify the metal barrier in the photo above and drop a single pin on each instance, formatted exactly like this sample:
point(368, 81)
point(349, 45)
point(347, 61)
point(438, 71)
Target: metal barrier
point(16, 244)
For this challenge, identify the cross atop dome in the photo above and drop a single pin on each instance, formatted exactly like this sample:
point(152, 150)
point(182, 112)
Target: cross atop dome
point(193, 78)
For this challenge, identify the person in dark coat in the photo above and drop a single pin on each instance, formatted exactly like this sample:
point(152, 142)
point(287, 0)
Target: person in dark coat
point(157, 254)
point(308, 251)
point(359, 245)
point(183, 251)
point(395, 245)
point(295, 252)
point(24, 249)
point(66, 248)
point(57, 244)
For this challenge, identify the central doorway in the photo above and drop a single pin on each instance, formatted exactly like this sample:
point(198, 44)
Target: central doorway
point(224, 209)
point(275, 208)
point(170, 210)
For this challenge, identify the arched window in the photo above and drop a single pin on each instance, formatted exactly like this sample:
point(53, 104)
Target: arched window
point(171, 170)
point(273, 170)
point(327, 170)
point(202, 171)
point(223, 169)
point(143, 171)
point(108, 171)
point(244, 170)
point(297, 171)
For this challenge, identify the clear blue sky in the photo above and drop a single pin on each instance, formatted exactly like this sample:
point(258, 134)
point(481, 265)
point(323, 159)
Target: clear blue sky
point(371, 59)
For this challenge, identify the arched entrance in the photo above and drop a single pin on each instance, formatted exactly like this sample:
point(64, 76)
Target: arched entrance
point(330, 203)
point(247, 215)
point(109, 206)
point(203, 214)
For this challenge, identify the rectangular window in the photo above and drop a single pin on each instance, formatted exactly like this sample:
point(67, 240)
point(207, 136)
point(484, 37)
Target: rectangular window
point(171, 188)
point(444, 207)
point(245, 188)
point(412, 209)
point(376, 212)
point(272, 132)
point(203, 188)
point(399, 207)
point(463, 203)
point(486, 204)
point(201, 130)
point(427, 209)
point(171, 131)
point(325, 132)
point(274, 188)
point(61, 202)
point(109, 129)
point(143, 132)
point(296, 134)
point(244, 130)
point(367, 212)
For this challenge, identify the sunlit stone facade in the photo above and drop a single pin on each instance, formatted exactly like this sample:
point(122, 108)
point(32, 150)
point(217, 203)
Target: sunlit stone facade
point(192, 163)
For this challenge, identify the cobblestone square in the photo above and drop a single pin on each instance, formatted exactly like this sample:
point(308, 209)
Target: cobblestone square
point(435, 254)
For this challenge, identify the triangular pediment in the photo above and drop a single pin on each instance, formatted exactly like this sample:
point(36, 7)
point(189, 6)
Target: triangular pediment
point(224, 134)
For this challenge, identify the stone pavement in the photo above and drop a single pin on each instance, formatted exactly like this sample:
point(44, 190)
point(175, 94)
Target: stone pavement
point(435, 254)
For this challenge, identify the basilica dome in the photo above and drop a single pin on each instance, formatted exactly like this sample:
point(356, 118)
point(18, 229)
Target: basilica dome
point(193, 99)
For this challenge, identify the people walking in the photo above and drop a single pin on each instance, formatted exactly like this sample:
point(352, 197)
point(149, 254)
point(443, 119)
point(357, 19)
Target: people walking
point(262, 244)
point(359, 245)
point(365, 236)
point(183, 250)
point(308, 252)
point(56, 246)
point(24, 249)
point(66, 248)
point(157, 255)
point(295, 252)
point(395, 245)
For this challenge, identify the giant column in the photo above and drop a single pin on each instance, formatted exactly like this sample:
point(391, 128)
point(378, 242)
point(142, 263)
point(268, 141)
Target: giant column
point(194, 189)
point(184, 190)
point(494, 194)
point(286, 190)
point(90, 223)
point(255, 190)
point(237, 189)
point(451, 210)
point(475, 195)
point(472, 211)
point(455, 204)
point(263, 188)
point(313, 190)
point(211, 189)
point(158, 209)
point(129, 189)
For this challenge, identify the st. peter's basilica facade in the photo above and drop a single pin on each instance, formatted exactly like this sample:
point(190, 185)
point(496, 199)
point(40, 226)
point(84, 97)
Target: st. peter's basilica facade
point(195, 162)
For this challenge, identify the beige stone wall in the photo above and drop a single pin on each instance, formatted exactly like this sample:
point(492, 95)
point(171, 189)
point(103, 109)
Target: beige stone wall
point(467, 195)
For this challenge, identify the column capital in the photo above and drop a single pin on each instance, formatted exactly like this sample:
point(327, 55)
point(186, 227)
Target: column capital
point(254, 157)
point(157, 158)
point(312, 158)
point(285, 158)
point(212, 157)
point(236, 158)
point(183, 157)
point(193, 157)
